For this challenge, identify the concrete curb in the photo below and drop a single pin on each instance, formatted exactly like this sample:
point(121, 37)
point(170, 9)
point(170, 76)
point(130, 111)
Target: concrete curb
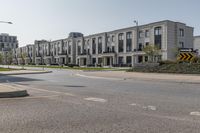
point(138, 78)
point(12, 94)
point(22, 73)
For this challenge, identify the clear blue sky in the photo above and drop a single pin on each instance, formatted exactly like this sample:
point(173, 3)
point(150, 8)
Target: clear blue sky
point(54, 19)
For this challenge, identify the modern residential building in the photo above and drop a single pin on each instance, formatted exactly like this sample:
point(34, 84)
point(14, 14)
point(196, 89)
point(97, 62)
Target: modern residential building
point(8, 42)
point(197, 44)
point(122, 47)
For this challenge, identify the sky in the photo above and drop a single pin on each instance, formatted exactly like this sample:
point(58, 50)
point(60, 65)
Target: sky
point(55, 19)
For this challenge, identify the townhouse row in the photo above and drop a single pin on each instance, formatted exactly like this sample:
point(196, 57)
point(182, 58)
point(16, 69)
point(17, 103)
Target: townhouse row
point(121, 47)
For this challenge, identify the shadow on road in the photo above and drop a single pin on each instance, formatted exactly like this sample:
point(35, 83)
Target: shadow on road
point(7, 79)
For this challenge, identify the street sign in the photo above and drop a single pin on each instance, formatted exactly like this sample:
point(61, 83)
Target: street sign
point(186, 56)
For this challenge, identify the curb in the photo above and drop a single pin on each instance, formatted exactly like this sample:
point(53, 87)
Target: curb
point(25, 73)
point(19, 93)
point(136, 78)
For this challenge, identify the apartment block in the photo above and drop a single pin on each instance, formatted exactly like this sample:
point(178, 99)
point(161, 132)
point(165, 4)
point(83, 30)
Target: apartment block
point(8, 42)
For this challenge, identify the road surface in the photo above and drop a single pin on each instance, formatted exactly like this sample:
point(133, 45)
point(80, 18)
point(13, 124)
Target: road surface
point(62, 102)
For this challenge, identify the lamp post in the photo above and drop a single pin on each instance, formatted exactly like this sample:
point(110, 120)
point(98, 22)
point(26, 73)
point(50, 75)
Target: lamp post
point(137, 32)
point(137, 40)
point(6, 22)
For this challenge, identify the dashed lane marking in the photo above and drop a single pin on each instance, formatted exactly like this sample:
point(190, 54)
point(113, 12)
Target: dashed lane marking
point(149, 107)
point(96, 99)
point(153, 108)
point(94, 77)
point(195, 113)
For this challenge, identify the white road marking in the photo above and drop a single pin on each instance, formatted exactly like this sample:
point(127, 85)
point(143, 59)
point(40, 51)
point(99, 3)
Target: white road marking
point(94, 77)
point(134, 104)
point(153, 108)
point(149, 107)
point(195, 113)
point(96, 99)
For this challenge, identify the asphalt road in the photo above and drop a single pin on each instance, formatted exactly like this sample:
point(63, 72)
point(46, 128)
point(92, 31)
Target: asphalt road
point(62, 102)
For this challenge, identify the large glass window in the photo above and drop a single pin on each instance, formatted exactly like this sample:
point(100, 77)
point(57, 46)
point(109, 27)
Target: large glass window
point(146, 33)
point(129, 59)
point(157, 31)
point(181, 44)
point(181, 32)
point(129, 42)
point(121, 42)
point(158, 37)
point(140, 47)
point(69, 49)
point(113, 38)
point(120, 59)
point(99, 45)
point(93, 46)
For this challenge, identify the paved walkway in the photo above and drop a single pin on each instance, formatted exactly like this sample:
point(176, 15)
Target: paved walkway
point(146, 76)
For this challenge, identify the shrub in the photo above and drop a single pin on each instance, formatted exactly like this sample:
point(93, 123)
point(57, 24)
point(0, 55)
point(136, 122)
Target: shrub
point(167, 62)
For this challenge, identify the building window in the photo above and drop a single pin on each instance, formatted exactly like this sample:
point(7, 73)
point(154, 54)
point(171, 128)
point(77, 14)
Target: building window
point(158, 37)
point(140, 47)
point(69, 49)
point(147, 43)
point(129, 59)
point(121, 42)
point(79, 50)
point(120, 60)
point(146, 33)
point(129, 42)
point(113, 38)
point(99, 45)
point(157, 31)
point(181, 32)
point(140, 59)
point(113, 49)
point(140, 34)
point(181, 44)
point(93, 46)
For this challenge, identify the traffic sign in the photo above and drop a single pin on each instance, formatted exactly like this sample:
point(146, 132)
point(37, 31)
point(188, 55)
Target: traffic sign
point(186, 56)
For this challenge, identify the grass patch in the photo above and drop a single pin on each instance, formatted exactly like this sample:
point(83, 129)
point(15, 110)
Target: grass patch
point(6, 69)
point(182, 68)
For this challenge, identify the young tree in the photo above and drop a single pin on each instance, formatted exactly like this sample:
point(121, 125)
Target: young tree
point(1, 58)
point(151, 51)
point(9, 58)
point(23, 56)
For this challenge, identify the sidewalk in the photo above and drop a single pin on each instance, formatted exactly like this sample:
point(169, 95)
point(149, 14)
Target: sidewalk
point(187, 78)
point(19, 72)
point(7, 91)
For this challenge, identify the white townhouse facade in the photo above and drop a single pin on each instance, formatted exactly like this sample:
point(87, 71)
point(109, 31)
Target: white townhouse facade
point(197, 44)
point(122, 47)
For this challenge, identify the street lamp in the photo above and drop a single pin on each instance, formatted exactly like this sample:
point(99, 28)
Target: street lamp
point(137, 40)
point(6, 22)
point(137, 30)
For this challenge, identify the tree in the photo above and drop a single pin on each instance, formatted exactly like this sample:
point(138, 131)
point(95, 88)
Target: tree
point(23, 56)
point(1, 58)
point(9, 58)
point(151, 51)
